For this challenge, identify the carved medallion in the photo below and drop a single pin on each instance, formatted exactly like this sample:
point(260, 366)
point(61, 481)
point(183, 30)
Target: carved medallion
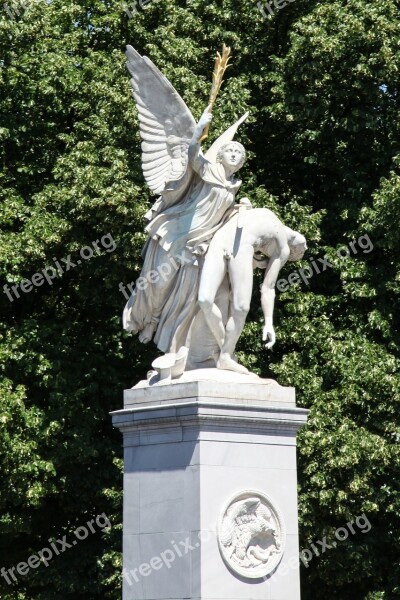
point(251, 534)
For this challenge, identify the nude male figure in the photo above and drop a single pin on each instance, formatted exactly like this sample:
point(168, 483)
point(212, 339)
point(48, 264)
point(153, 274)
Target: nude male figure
point(232, 251)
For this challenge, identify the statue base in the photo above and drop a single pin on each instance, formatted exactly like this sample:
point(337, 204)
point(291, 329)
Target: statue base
point(210, 488)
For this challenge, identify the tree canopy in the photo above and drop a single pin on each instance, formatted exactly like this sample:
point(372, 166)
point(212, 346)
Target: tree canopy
point(321, 81)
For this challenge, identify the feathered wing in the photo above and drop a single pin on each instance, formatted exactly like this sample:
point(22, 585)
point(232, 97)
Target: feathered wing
point(227, 136)
point(166, 124)
point(236, 510)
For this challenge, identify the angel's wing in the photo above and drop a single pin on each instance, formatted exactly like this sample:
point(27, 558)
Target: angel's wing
point(166, 124)
point(226, 137)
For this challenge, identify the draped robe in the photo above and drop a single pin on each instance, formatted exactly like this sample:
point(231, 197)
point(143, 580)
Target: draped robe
point(178, 240)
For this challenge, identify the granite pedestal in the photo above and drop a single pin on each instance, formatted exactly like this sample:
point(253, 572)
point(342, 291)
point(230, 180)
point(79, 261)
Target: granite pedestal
point(210, 462)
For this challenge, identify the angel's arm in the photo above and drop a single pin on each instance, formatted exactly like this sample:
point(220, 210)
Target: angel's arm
point(196, 158)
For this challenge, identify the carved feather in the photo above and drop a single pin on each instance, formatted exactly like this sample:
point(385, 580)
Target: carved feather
point(163, 116)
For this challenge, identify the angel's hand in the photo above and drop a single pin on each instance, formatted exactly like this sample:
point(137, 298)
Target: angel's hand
point(205, 119)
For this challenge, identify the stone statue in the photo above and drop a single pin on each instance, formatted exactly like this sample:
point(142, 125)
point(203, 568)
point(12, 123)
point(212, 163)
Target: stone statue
point(197, 195)
point(201, 241)
point(232, 251)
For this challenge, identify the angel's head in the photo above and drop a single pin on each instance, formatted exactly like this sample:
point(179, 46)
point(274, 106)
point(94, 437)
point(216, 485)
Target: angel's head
point(232, 156)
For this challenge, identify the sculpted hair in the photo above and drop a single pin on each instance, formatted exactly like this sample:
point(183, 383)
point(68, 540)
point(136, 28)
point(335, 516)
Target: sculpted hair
point(297, 251)
point(238, 145)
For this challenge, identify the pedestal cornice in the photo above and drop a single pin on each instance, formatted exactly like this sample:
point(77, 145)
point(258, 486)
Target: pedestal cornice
point(261, 405)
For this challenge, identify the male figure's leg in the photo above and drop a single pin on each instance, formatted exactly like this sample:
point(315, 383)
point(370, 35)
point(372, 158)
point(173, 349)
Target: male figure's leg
point(241, 278)
point(212, 275)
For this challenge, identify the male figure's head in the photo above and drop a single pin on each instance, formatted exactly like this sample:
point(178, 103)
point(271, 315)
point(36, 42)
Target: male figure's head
point(232, 156)
point(297, 245)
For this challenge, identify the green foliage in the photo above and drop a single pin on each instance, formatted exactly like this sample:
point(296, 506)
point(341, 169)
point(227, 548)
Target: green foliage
point(321, 81)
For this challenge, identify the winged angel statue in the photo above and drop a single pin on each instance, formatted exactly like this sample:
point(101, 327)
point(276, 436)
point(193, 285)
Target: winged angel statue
point(196, 198)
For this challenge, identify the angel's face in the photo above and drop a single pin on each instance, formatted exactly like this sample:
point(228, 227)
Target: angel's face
point(231, 157)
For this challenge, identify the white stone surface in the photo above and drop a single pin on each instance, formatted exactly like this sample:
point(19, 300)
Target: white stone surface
point(184, 462)
point(170, 579)
point(195, 288)
point(282, 488)
point(251, 534)
point(197, 196)
point(231, 253)
point(210, 384)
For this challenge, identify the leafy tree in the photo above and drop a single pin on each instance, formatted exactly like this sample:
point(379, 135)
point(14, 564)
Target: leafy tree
point(321, 80)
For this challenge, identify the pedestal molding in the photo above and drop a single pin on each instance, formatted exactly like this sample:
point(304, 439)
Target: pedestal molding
point(184, 458)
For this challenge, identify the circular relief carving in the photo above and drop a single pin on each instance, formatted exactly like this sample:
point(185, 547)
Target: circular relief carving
point(251, 534)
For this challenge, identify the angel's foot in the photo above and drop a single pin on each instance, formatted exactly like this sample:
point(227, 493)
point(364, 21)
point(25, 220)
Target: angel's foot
point(147, 333)
point(226, 363)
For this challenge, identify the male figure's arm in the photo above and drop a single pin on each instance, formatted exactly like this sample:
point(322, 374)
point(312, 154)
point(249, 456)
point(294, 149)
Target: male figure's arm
point(276, 262)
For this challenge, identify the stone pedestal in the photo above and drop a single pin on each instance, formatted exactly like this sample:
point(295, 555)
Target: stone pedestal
point(210, 489)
